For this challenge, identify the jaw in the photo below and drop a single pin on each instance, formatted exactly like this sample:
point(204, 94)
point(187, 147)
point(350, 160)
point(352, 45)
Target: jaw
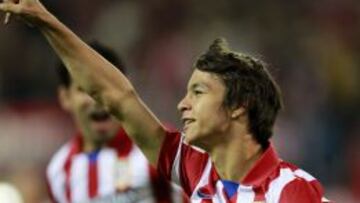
point(197, 140)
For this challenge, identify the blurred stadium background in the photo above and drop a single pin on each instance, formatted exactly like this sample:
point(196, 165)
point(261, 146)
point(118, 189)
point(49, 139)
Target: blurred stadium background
point(312, 48)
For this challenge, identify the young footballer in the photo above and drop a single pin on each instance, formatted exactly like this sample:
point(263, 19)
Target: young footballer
point(223, 153)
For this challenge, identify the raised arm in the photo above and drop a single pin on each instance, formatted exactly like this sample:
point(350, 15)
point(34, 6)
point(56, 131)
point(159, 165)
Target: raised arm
point(95, 75)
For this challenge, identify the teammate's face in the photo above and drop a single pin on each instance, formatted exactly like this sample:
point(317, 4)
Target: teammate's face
point(203, 115)
point(94, 122)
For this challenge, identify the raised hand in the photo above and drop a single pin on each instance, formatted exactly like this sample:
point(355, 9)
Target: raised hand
point(32, 11)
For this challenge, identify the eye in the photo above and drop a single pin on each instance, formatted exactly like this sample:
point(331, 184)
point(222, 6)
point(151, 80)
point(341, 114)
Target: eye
point(198, 92)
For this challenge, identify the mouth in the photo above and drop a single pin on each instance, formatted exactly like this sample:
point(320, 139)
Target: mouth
point(187, 121)
point(99, 115)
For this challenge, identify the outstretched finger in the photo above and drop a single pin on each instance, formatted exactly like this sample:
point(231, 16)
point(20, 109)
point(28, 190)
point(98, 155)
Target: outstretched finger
point(7, 18)
point(7, 15)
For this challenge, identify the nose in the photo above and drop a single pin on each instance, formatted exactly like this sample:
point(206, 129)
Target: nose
point(184, 104)
point(86, 101)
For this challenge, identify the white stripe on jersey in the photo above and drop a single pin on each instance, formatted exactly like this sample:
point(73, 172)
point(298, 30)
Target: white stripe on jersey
point(138, 163)
point(107, 159)
point(219, 196)
point(303, 174)
point(204, 180)
point(245, 194)
point(175, 172)
point(56, 175)
point(277, 185)
point(79, 178)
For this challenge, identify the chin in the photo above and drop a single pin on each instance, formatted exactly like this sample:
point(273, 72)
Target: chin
point(102, 139)
point(102, 135)
point(194, 140)
point(189, 137)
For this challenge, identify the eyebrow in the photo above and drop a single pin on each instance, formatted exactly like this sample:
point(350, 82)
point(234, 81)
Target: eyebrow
point(198, 85)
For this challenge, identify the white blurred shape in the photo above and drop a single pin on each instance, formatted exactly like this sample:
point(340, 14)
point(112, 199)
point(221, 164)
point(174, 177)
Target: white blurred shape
point(9, 194)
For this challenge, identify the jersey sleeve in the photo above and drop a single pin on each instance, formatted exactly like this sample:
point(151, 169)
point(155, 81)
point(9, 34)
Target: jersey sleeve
point(181, 163)
point(49, 191)
point(300, 190)
point(169, 149)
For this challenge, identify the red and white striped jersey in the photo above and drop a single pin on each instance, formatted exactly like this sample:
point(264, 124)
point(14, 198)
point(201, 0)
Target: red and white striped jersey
point(114, 173)
point(269, 180)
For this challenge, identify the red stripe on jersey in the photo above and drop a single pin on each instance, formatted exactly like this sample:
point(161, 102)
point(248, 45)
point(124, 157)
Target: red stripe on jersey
point(93, 178)
point(122, 143)
point(67, 167)
point(160, 187)
point(259, 194)
point(169, 147)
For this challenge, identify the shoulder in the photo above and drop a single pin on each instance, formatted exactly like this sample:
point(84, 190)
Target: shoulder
point(58, 159)
point(297, 185)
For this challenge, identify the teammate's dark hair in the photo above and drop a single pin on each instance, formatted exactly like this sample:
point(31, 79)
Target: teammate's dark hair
point(248, 84)
point(106, 52)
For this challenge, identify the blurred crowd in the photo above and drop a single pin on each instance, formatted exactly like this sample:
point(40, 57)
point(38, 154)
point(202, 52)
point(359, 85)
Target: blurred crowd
point(311, 47)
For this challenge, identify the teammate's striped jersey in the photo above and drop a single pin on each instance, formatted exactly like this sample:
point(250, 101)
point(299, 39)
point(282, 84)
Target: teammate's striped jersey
point(270, 180)
point(114, 173)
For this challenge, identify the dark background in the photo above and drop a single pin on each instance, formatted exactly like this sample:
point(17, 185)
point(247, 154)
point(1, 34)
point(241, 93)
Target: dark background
point(312, 48)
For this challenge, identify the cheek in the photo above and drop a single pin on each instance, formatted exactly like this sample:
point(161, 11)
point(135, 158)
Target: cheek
point(214, 122)
point(80, 114)
point(203, 115)
point(80, 107)
point(114, 125)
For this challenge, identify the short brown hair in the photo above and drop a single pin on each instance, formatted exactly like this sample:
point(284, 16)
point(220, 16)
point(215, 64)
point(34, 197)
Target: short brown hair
point(248, 83)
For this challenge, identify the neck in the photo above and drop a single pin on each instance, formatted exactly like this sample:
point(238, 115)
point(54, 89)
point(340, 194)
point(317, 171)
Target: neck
point(90, 146)
point(234, 159)
point(89, 143)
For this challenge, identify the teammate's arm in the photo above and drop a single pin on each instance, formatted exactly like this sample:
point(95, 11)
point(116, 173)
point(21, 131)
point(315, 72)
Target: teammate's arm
point(94, 74)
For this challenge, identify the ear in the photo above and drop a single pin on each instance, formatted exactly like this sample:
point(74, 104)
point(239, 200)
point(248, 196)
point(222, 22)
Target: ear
point(238, 112)
point(64, 97)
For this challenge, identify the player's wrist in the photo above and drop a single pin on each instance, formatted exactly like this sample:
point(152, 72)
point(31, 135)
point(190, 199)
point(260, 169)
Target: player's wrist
point(41, 17)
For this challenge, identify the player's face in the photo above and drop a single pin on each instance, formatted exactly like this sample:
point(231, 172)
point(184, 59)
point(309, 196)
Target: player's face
point(204, 118)
point(94, 122)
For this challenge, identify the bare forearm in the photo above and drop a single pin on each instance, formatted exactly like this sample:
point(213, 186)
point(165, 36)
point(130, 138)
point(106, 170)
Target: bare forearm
point(105, 83)
point(88, 68)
